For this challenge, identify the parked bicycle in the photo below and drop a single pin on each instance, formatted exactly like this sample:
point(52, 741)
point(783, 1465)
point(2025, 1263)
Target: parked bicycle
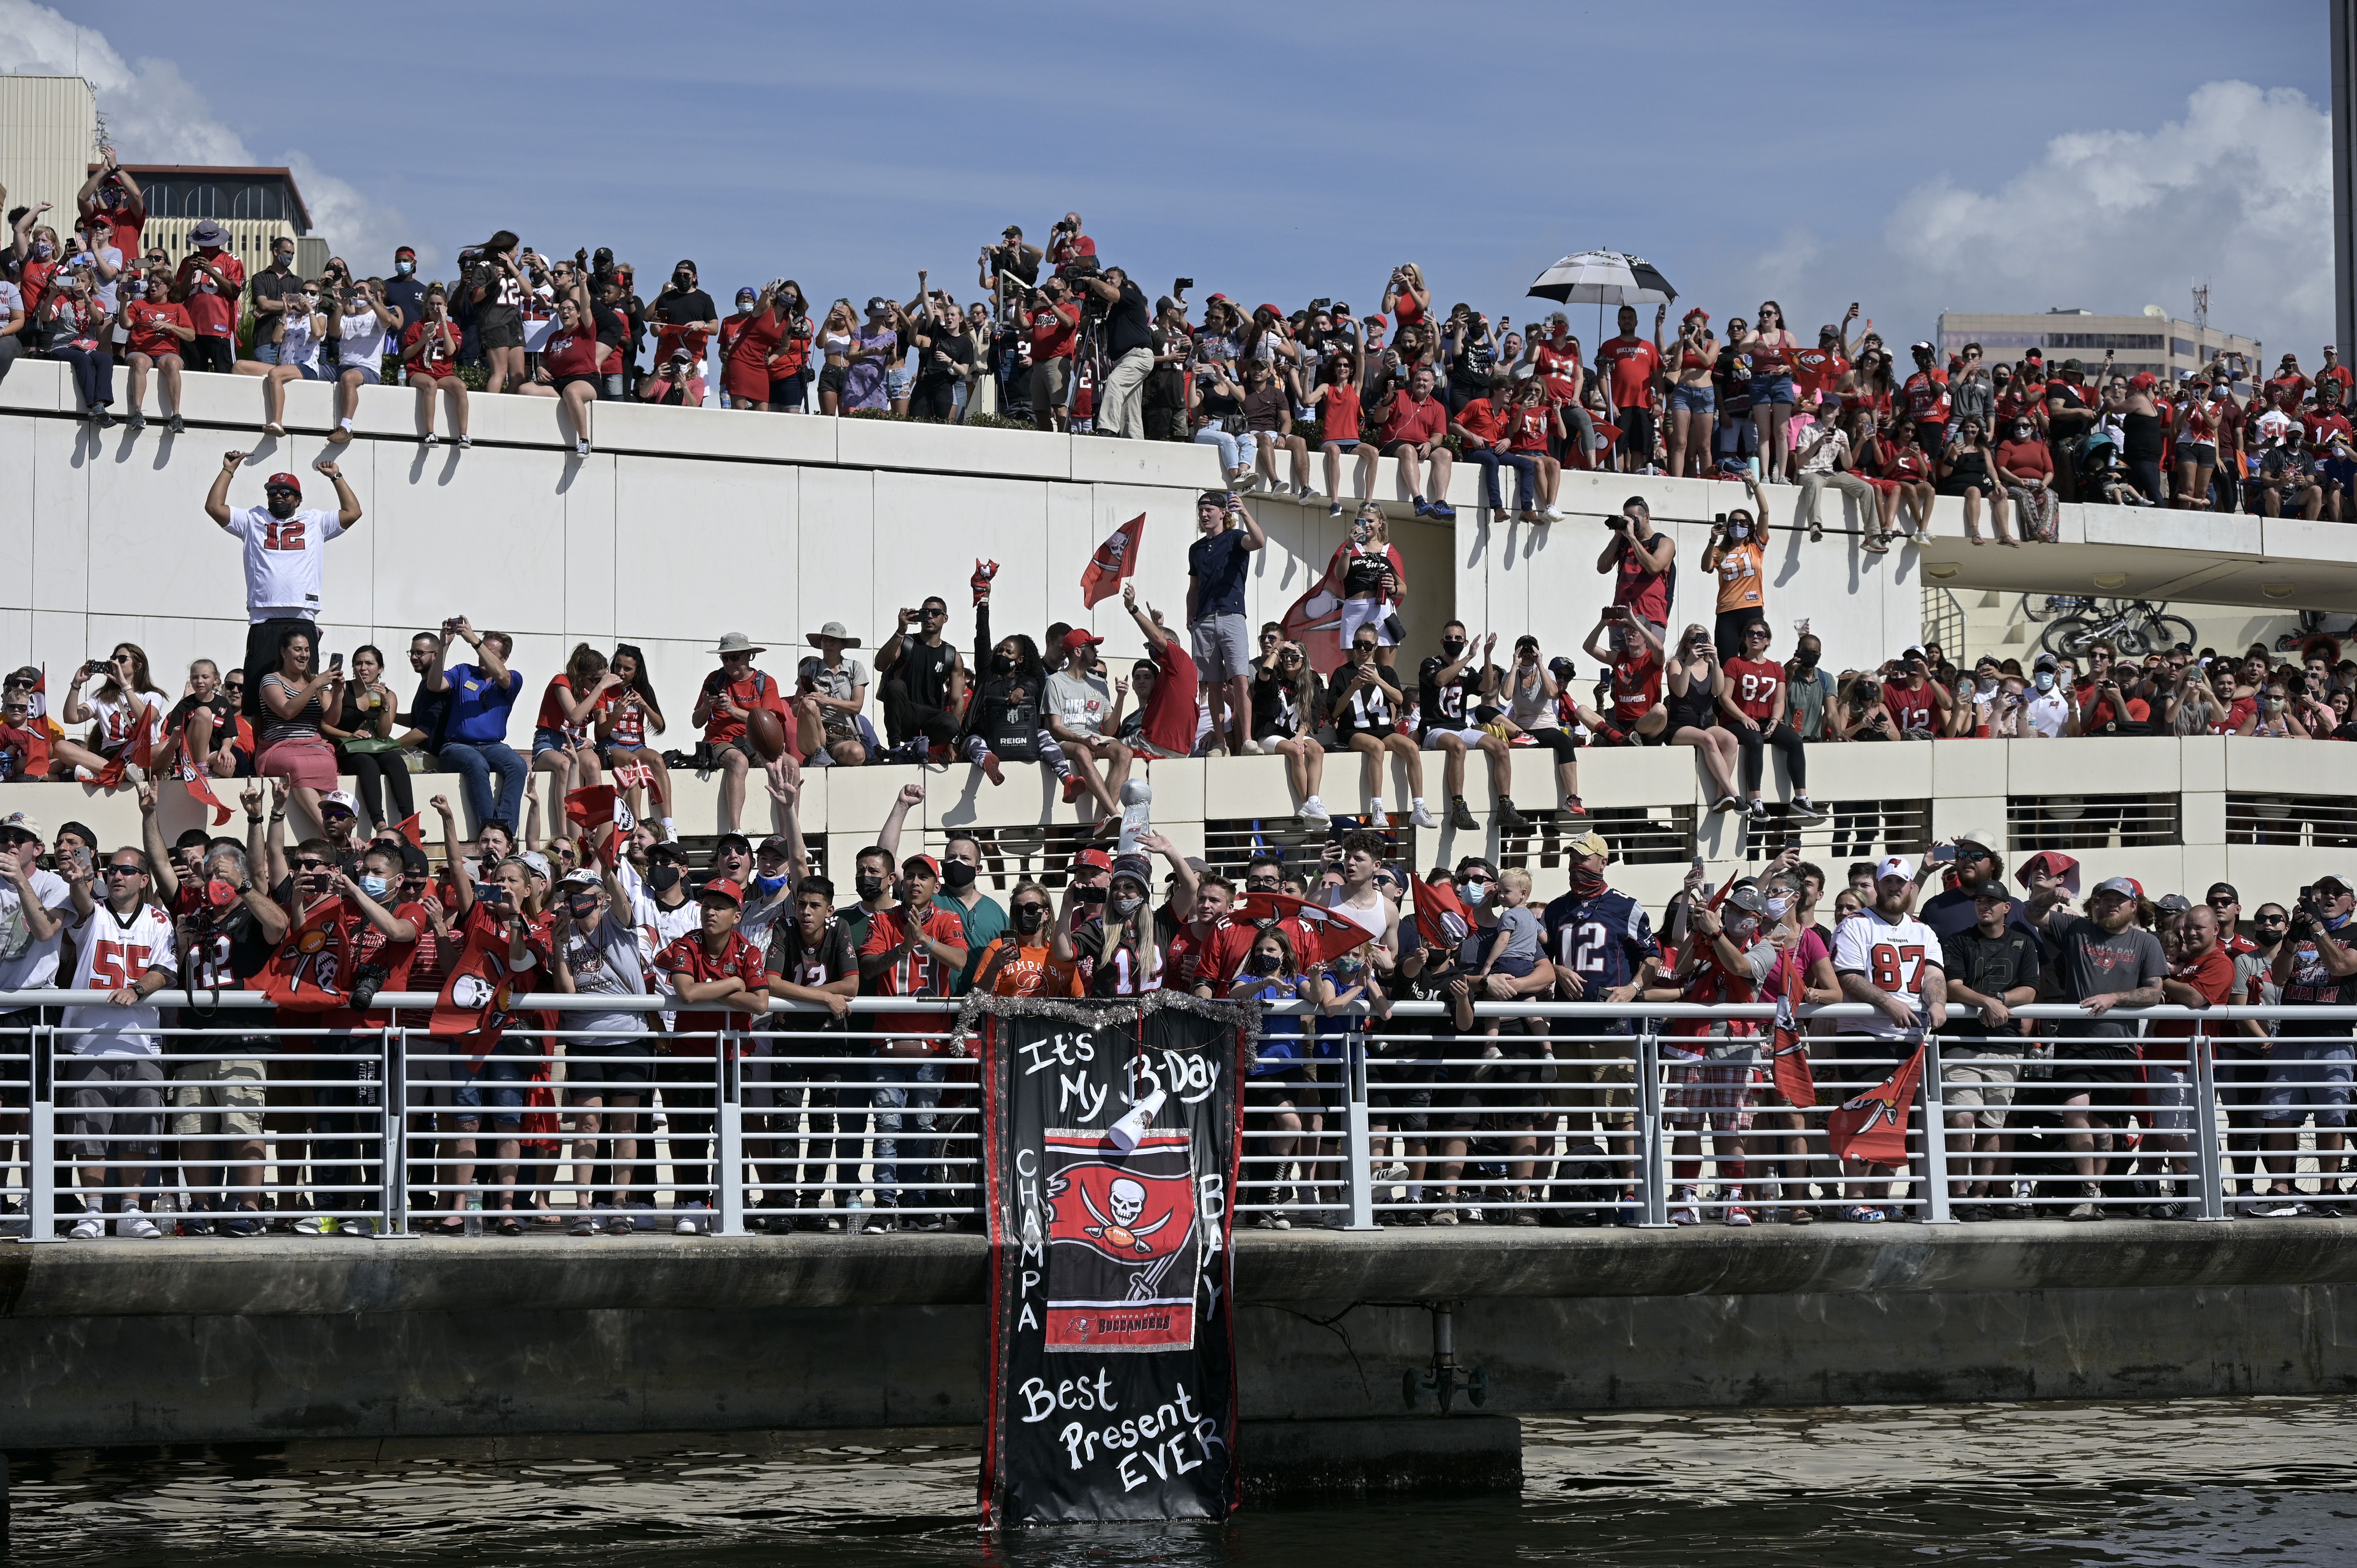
point(2134, 627)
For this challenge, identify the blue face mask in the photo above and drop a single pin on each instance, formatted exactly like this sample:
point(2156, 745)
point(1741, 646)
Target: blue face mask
point(405, 268)
point(375, 886)
point(768, 886)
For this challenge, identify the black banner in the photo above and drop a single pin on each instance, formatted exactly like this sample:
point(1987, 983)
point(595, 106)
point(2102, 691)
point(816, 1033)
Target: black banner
point(1112, 1339)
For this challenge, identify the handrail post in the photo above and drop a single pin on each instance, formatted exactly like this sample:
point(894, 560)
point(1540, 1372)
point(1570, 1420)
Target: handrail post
point(1935, 1136)
point(42, 1138)
point(393, 1143)
point(1654, 1152)
point(1358, 1147)
point(2208, 1165)
point(730, 1140)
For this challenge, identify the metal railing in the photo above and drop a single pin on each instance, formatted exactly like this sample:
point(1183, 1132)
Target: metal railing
point(1543, 1114)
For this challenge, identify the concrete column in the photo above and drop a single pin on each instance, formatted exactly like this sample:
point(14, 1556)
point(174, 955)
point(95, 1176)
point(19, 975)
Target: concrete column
point(2345, 175)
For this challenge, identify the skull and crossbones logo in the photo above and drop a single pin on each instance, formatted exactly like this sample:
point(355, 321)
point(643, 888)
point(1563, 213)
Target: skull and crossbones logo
point(1122, 1232)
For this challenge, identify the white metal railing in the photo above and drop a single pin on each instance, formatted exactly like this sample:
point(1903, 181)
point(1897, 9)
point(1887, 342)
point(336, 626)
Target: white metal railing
point(1576, 1113)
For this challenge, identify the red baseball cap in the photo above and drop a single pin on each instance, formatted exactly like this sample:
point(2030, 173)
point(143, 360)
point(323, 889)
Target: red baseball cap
point(1078, 639)
point(932, 867)
point(2142, 381)
point(1094, 859)
point(723, 887)
point(1374, 321)
point(283, 481)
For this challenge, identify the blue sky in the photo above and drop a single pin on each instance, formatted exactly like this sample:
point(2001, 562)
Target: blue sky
point(1913, 158)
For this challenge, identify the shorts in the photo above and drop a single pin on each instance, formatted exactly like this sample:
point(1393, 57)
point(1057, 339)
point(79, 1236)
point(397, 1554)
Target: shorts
point(1599, 1075)
point(2168, 1098)
point(831, 377)
point(1765, 390)
point(1636, 432)
point(495, 1083)
point(2092, 1065)
point(1430, 740)
point(1357, 613)
point(1223, 646)
point(1051, 384)
point(2200, 454)
point(218, 1099)
point(595, 383)
point(417, 378)
point(1340, 444)
point(546, 739)
point(2307, 1074)
point(1717, 1092)
point(896, 384)
point(367, 373)
point(590, 1066)
point(498, 327)
point(787, 393)
point(116, 1104)
point(1702, 398)
point(1982, 1084)
point(1405, 451)
point(1556, 740)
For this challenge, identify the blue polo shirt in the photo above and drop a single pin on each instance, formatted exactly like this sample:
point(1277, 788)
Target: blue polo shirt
point(479, 705)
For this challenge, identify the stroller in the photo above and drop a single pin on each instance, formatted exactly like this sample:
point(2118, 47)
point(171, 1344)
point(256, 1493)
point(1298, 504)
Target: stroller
point(2102, 472)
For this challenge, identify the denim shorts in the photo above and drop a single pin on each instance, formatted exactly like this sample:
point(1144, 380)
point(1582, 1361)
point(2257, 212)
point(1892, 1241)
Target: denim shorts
point(545, 739)
point(898, 382)
point(367, 373)
point(495, 1082)
point(1765, 390)
point(1702, 398)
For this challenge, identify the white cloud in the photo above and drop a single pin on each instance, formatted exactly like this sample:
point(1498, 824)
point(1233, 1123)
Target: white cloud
point(156, 115)
point(2238, 192)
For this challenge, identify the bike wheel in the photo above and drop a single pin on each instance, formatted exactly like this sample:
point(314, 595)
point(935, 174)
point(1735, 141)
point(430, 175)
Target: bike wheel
point(2166, 632)
point(2034, 607)
point(2068, 638)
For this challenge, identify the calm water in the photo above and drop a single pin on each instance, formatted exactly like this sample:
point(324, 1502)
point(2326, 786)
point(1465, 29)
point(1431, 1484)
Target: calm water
point(2193, 1481)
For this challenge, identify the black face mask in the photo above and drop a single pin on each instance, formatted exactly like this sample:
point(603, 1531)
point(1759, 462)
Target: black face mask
point(682, 279)
point(1264, 963)
point(1806, 659)
point(1002, 664)
point(1452, 646)
point(868, 886)
point(662, 878)
point(1030, 917)
point(956, 874)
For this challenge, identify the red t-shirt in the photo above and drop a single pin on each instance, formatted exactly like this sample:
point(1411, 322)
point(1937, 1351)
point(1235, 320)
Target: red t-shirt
point(556, 702)
point(1639, 589)
point(1753, 684)
point(442, 358)
point(1636, 687)
point(914, 972)
point(792, 356)
point(1925, 395)
point(756, 690)
point(1412, 421)
point(2095, 711)
point(126, 214)
point(1340, 408)
point(212, 313)
point(2029, 459)
point(148, 320)
point(2238, 710)
point(1556, 368)
point(574, 353)
point(1912, 712)
point(1190, 961)
point(1818, 370)
point(1052, 332)
point(1168, 723)
point(687, 959)
point(1484, 420)
point(1631, 363)
point(2213, 975)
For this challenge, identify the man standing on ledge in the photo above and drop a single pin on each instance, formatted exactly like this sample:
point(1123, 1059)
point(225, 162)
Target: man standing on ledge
point(1129, 353)
point(283, 547)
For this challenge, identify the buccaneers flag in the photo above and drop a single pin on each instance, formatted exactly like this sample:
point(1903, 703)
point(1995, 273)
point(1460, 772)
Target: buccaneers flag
point(475, 1005)
point(598, 807)
point(1873, 1127)
point(139, 753)
point(1441, 917)
point(1331, 934)
point(307, 973)
point(1318, 610)
point(1789, 1054)
point(407, 828)
point(1113, 563)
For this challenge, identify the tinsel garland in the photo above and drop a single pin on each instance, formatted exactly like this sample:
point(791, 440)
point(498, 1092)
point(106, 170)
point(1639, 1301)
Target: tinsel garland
point(1095, 1014)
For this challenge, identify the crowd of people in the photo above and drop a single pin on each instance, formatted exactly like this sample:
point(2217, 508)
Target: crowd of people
point(1060, 339)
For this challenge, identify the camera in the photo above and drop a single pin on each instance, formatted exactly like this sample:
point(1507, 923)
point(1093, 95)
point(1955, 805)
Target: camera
point(1182, 285)
point(367, 981)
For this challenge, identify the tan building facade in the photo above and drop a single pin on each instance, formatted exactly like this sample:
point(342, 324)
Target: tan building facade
point(2165, 347)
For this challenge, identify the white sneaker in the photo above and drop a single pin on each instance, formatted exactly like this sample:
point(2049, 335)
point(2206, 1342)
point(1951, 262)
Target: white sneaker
point(315, 1225)
point(89, 1228)
point(1214, 749)
point(1553, 514)
point(1422, 816)
point(364, 1229)
point(133, 1223)
point(1251, 749)
point(1313, 812)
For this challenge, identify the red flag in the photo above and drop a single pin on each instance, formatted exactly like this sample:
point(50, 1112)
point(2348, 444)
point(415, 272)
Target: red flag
point(305, 974)
point(1331, 934)
point(139, 753)
point(407, 828)
point(1441, 917)
point(984, 571)
point(1114, 563)
point(1873, 1127)
point(200, 789)
point(475, 1007)
point(1790, 1053)
point(1315, 621)
point(596, 808)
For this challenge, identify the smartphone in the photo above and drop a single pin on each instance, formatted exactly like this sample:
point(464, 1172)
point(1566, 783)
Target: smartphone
point(1182, 285)
point(335, 662)
point(1942, 853)
point(1697, 863)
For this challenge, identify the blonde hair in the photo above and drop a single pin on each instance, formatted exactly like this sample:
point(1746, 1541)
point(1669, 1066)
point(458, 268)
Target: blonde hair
point(1515, 876)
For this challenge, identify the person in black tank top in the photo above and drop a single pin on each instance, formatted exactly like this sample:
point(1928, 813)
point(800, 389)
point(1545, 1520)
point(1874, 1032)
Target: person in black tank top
point(924, 680)
point(1691, 682)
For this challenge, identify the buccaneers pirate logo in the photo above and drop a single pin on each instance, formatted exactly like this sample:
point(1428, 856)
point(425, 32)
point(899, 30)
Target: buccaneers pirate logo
point(1124, 1243)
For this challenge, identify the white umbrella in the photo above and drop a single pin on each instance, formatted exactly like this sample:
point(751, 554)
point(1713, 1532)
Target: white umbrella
point(1604, 277)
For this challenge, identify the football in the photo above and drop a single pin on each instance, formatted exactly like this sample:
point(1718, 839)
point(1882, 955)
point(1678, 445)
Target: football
point(768, 733)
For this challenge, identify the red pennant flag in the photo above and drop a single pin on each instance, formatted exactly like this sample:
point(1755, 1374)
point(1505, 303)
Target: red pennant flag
point(1331, 934)
point(1873, 1127)
point(200, 789)
point(633, 776)
point(41, 694)
point(1317, 612)
point(1790, 1052)
point(305, 974)
point(475, 1005)
point(599, 813)
point(407, 828)
point(139, 753)
point(1114, 563)
point(1441, 917)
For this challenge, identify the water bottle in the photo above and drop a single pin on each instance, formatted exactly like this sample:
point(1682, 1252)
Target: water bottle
point(474, 1211)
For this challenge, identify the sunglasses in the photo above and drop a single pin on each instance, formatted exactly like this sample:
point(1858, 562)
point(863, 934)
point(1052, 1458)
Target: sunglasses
point(124, 871)
point(310, 866)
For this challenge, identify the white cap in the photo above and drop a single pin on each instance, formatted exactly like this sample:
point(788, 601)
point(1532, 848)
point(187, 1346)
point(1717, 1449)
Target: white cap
point(1895, 866)
point(342, 798)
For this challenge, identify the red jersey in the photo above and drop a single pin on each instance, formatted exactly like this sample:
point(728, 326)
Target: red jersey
point(1912, 712)
point(2323, 427)
point(1188, 961)
point(1629, 364)
point(570, 353)
point(2213, 975)
point(212, 312)
point(687, 959)
point(2240, 709)
point(914, 972)
point(148, 319)
point(1558, 370)
point(756, 690)
point(1924, 396)
point(1754, 684)
point(629, 729)
point(1636, 687)
point(1639, 589)
point(1052, 332)
point(441, 358)
point(1529, 427)
point(1818, 371)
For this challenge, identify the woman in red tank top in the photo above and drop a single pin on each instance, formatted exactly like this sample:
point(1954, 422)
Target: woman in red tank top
point(1908, 467)
point(1694, 401)
point(1773, 349)
point(2197, 450)
point(1405, 298)
point(569, 359)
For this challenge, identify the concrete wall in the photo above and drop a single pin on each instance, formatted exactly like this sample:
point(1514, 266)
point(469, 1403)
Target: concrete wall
point(274, 1340)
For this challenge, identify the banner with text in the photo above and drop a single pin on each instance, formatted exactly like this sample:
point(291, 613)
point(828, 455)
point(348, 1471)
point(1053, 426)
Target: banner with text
point(1110, 1156)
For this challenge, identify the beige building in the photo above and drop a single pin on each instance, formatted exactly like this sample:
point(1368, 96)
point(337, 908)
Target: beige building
point(2151, 341)
point(48, 134)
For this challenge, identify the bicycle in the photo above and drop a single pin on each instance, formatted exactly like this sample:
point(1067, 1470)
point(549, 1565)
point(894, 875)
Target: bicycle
point(2133, 626)
point(2046, 606)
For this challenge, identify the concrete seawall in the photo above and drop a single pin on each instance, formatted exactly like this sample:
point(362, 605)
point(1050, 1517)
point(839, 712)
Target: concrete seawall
point(281, 1340)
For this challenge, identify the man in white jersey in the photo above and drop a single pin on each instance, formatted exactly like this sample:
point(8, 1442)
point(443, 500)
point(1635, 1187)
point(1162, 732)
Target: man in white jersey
point(35, 910)
point(282, 549)
point(114, 1078)
point(1887, 959)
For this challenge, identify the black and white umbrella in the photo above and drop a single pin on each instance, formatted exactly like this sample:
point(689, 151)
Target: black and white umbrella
point(1604, 277)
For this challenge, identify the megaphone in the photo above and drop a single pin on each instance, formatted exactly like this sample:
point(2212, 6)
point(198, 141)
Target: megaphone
point(1127, 1131)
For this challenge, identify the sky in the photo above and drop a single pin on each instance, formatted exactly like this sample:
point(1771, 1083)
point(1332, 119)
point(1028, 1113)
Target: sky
point(1912, 157)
